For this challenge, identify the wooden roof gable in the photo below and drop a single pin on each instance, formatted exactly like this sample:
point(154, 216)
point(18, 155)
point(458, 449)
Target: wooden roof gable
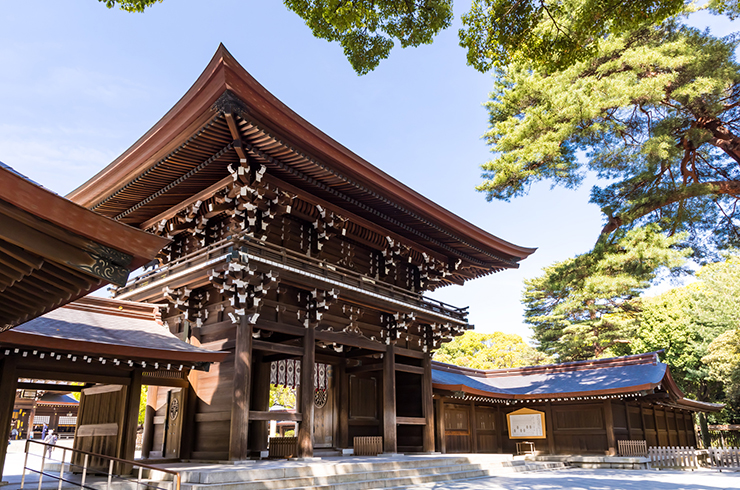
point(227, 115)
point(53, 251)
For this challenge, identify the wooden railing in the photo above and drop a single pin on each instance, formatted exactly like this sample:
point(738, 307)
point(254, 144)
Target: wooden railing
point(283, 447)
point(673, 457)
point(633, 448)
point(203, 258)
point(76, 474)
point(368, 445)
point(724, 458)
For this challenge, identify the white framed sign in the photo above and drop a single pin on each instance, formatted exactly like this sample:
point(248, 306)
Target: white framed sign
point(526, 423)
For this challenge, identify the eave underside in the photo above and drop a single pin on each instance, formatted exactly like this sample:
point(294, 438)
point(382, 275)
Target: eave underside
point(203, 158)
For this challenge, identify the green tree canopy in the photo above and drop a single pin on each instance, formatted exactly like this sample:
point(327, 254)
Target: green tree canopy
point(496, 350)
point(696, 327)
point(585, 307)
point(550, 33)
point(654, 114)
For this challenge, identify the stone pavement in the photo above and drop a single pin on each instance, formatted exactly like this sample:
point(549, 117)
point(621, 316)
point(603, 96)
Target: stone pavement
point(599, 479)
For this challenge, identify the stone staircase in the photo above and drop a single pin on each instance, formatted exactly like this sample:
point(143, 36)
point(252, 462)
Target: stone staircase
point(385, 473)
point(347, 473)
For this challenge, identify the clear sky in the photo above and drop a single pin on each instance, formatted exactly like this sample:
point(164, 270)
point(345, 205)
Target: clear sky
point(79, 83)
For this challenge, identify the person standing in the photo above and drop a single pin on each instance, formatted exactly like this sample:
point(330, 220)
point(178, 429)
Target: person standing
point(50, 439)
point(43, 431)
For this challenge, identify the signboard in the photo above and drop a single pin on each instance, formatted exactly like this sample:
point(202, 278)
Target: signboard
point(526, 423)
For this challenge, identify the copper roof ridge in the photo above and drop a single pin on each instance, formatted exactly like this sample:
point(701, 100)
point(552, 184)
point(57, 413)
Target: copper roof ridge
point(110, 306)
point(223, 73)
point(631, 360)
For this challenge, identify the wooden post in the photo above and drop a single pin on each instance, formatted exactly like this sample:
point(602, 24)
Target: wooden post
point(259, 429)
point(305, 429)
point(609, 425)
point(8, 384)
point(441, 425)
point(238, 449)
point(390, 444)
point(629, 422)
point(188, 436)
point(550, 427)
point(500, 424)
point(343, 404)
point(130, 420)
point(427, 405)
point(473, 429)
point(151, 408)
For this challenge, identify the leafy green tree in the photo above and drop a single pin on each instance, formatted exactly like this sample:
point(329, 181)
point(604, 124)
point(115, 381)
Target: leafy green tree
point(550, 33)
point(696, 327)
point(587, 307)
point(282, 395)
point(671, 322)
point(495, 350)
point(654, 113)
point(723, 362)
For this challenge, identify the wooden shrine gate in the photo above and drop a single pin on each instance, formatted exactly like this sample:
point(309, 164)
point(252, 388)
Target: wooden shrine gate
point(100, 423)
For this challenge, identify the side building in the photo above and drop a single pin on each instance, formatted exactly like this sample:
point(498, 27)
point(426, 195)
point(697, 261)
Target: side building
point(300, 259)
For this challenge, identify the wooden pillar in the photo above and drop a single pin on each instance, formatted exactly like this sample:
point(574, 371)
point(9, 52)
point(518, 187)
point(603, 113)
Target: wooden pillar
point(31, 416)
point(390, 444)
point(442, 447)
point(427, 401)
point(130, 420)
point(609, 424)
point(629, 422)
point(550, 428)
point(500, 424)
point(305, 429)
point(343, 404)
point(8, 385)
point(238, 449)
point(473, 429)
point(187, 439)
point(259, 429)
point(151, 408)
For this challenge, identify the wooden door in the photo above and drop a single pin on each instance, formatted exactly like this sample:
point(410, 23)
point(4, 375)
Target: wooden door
point(173, 422)
point(457, 428)
point(100, 422)
point(324, 415)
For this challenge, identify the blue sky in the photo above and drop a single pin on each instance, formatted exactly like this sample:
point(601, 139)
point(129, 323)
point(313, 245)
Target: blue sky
point(80, 83)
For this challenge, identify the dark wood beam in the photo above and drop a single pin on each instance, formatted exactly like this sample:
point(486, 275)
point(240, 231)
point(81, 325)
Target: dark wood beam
point(292, 350)
point(341, 338)
point(50, 387)
point(82, 377)
point(266, 415)
point(36, 241)
point(8, 382)
point(365, 368)
point(405, 368)
point(280, 327)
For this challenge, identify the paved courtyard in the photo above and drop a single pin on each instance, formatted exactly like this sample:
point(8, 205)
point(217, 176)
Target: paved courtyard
point(581, 479)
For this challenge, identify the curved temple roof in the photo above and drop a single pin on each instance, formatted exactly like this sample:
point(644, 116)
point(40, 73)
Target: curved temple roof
point(111, 328)
point(641, 374)
point(227, 114)
point(53, 251)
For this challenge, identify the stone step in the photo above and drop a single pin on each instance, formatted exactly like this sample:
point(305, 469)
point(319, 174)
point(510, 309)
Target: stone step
point(233, 475)
point(379, 479)
point(331, 479)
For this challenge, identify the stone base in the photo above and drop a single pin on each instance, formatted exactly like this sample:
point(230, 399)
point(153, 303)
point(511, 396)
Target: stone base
point(592, 462)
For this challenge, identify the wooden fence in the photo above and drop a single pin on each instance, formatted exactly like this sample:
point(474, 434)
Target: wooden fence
point(368, 445)
point(283, 447)
point(725, 458)
point(673, 457)
point(633, 448)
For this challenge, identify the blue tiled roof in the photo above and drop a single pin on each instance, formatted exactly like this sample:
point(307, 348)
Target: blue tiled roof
point(619, 376)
